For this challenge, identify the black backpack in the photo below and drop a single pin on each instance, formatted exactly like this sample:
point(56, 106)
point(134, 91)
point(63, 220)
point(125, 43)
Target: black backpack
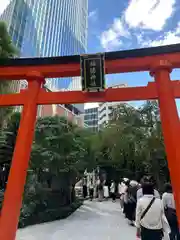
point(171, 217)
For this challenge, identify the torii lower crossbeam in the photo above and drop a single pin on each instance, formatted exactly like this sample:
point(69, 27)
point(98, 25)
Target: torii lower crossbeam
point(109, 95)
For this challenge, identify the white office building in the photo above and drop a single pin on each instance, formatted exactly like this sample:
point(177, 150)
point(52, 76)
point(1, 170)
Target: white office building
point(105, 110)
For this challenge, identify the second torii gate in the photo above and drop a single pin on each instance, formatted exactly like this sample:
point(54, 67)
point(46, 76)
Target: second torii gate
point(159, 61)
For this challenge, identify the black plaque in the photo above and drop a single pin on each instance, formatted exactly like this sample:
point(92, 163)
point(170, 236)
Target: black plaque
point(92, 72)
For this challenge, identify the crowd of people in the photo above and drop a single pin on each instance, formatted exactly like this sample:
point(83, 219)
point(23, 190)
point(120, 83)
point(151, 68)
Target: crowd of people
point(100, 190)
point(152, 213)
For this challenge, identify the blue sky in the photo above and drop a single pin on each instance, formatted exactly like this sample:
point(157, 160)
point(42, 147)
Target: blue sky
point(128, 24)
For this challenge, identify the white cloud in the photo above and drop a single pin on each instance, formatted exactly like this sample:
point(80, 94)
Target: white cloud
point(139, 15)
point(178, 29)
point(149, 14)
point(3, 5)
point(171, 37)
point(111, 38)
point(140, 39)
point(93, 15)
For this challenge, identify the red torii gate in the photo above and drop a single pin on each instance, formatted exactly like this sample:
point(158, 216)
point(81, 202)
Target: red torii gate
point(159, 61)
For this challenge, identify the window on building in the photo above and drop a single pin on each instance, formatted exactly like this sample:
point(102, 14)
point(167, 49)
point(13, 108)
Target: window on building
point(103, 116)
point(66, 113)
point(102, 110)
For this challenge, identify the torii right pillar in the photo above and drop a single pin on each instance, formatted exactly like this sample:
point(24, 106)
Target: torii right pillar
point(170, 123)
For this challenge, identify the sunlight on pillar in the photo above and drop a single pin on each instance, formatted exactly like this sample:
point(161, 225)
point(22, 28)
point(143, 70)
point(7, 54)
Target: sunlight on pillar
point(178, 106)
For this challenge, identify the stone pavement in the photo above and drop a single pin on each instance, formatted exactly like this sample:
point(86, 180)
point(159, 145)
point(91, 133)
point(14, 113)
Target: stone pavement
point(94, 220)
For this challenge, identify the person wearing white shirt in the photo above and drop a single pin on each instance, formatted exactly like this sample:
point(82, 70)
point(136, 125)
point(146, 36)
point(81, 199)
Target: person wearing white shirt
point(151, 222)
point(140, 193)
point(122, 189)
point(168, 197)
point(106, 191)
point(125, 198)
point(112, 190)
point(170, 211)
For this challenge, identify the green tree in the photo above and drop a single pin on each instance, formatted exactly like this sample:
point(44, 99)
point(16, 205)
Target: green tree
point(59, 156)
point(132, 144)
point(58, 159)
point(7, 50)
point(119, 143)
point(156, 157)
point(8, 138)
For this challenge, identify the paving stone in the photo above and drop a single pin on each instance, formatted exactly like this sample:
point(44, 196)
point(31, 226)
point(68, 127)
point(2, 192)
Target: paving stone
point(94, 220)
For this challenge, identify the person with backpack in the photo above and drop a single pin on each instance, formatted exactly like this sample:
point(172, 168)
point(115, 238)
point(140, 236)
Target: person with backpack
point(170, 212)
point(150, 221)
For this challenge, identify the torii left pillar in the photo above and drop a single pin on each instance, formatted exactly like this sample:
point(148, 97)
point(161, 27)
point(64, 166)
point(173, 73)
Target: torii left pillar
point(17, 177)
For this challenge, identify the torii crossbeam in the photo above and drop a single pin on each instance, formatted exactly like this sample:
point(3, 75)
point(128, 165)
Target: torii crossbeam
point(159, 61)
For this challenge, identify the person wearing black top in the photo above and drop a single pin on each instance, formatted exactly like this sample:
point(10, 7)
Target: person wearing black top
point(84, 187)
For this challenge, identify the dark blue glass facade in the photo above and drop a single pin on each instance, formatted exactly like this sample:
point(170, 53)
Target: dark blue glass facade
point(65, 33)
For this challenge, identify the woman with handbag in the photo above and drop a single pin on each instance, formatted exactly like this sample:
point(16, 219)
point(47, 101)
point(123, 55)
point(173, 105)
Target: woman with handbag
point(151, 222)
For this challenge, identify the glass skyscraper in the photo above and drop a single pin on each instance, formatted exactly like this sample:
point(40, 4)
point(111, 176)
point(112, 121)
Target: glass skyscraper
point(48, 28)
point(22, 26)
